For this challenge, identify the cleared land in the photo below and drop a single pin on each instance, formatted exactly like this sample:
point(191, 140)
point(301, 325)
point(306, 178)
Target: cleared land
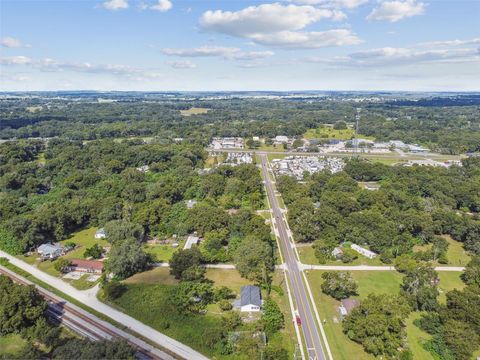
point(328, 132)
point(162, 253)
point(147, 299)
point(194, 111)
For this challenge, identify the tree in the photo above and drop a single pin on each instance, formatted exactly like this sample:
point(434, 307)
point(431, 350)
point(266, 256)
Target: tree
point(272, 317)
point(127, 259)
point(471, 274)
point(231, 320)
point(339, 285)
point(340, 125)
point(62, 265)
point(378, 323)
point(87, 349)
point(20, 306)
point(122, 230)
point(114, 289)
point(94, 252)
point(187, 264)
point(348, 255)
point(9, 243)
point(275, 352)
point(192, 296)
point(419, 287)
point(254, 259)
point(225, 305)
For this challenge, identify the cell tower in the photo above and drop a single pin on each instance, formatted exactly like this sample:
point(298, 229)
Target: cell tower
point(357, 120)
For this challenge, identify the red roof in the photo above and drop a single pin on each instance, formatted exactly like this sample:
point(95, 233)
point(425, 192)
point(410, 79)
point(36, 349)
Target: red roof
point(88, 264)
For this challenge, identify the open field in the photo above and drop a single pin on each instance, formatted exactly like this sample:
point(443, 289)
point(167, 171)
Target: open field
point(273, 147)
point(328, 132)
point(448, 282)
point(194, 111)
point(11, 345)
point(158, 275)
point(147, 299)
point(456, 254)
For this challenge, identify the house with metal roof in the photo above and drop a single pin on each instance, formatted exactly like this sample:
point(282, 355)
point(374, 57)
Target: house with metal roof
point(49, 251)
point(250, 299)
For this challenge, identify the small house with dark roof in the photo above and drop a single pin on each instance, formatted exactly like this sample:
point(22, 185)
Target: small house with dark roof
point(250, 299)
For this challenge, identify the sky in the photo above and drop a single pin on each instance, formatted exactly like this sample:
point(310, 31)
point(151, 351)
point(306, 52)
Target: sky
point(175, 45)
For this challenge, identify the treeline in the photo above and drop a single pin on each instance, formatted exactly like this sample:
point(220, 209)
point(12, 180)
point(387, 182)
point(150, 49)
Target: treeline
point(23, 312)
point(413, 207)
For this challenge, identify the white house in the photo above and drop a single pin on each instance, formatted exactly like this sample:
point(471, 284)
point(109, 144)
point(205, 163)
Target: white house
point(365, 252)
point(100, 234)
point(250, 299)
point(281, 139)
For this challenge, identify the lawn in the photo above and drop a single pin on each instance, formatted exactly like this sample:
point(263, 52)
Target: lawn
point(11, 345)
point(226, 277)
point(271, 157)
point(456, 254)
point(160, 275)
point(449, 280)
point(162, 253)
point(416, 337)
point(378, 282)
point(194, 111)
point(307, 256)
point(273, 147)
point(328, 132)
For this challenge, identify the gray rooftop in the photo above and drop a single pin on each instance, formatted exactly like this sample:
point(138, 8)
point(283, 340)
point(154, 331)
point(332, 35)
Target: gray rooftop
point(250, 295)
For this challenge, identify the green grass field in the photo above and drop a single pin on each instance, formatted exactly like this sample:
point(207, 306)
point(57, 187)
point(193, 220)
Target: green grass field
point(162, 253)
point(147, 300)
point(11, 345)
point(273, 147)
point(416, 338)
point(456, 254)
point(328, 132)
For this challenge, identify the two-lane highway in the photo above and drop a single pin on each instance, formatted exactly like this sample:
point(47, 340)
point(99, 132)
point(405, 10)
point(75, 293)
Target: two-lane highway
point(309, 326)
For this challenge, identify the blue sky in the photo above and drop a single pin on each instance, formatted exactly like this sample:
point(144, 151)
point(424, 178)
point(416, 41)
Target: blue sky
point(240, 45)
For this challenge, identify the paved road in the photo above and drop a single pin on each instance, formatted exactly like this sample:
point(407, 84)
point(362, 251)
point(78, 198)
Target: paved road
point(309, 326)
point(89, 299)
point(369, 267)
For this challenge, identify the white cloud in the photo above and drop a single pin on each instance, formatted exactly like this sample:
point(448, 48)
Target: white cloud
point(394, 11)
point(10, 42)
point(475, 41)
point(15, 60)
point(182, 64)
point(338, 4)
point(51, 65)
point(275, 24)
point(230, 53)
point(389, 56)
point(307, 40)
point(265, 18)
point(115, 4)
point(162, 5)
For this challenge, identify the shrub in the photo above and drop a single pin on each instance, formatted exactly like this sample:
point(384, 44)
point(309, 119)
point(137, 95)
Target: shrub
point(225, 305)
